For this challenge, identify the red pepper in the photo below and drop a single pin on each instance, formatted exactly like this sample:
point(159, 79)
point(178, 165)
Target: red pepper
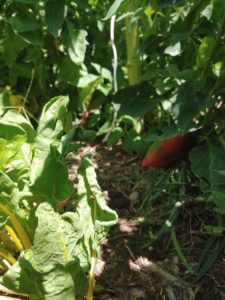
point(170, 151)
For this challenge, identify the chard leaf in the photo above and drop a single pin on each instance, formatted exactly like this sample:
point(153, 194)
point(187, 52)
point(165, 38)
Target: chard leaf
point(19, 167)
point(95, 215)
point(55, 237)
point(54, 282)
point(12, 137)
point(49, 175)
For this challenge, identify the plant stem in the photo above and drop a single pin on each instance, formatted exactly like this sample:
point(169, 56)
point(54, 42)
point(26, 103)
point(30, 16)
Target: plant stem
point(18, 227)
point(14, 237)
point(132, 39)
point(7, 255)
point(91, 277)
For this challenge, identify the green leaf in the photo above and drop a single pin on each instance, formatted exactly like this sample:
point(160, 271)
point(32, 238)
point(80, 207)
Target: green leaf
point(76, 44)
point(91, 207)
point(20, 165)
point(114, 136)
point(219, 201)
point(85, 134)
point(13, 116)
point(54, 15)
point(187, 105)
point(12, 45)
point(27, 27)
point(136, 100)
point(204, 51)
point(23, 22)
point(89, 83)
point(50, 282)
point(208, 161)
point(12, 137)
point(69, 73)
point(55, 238)
point(47, 161)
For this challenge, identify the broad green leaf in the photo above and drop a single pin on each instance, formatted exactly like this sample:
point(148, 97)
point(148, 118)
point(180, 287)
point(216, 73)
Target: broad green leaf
point(134, 143)
point(12, 137)
point(136, 100)
point(19, 167)
point(95, 215)
point(115, 135)
point(204, 51)
point(54, 15)
point(24, 22)
point(68, 73)
point(27, 27)
point(50, 282)
point(55, 238)
point(34, 38)
point(47, 162)
point(208, 161)
point(187, 105)
point(218, 12)
point(76, 44)
point(88, 90)
point(13, 116)
point(12, 45)
point(219, 201)
point(85, 135)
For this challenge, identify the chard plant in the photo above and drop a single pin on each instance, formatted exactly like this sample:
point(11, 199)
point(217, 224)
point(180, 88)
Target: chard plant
point(45, 254)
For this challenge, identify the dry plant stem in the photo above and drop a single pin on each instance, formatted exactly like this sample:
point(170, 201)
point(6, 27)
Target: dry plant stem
point(65, 202)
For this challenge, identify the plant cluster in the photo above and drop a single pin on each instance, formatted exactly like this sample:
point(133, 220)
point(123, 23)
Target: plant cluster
point(45, 254)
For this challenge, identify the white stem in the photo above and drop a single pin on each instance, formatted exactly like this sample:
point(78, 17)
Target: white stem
point(115, 56)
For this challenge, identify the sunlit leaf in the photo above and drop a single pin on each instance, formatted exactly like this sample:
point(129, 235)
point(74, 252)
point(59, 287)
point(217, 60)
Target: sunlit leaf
point(173, 50)
point(76, 44)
